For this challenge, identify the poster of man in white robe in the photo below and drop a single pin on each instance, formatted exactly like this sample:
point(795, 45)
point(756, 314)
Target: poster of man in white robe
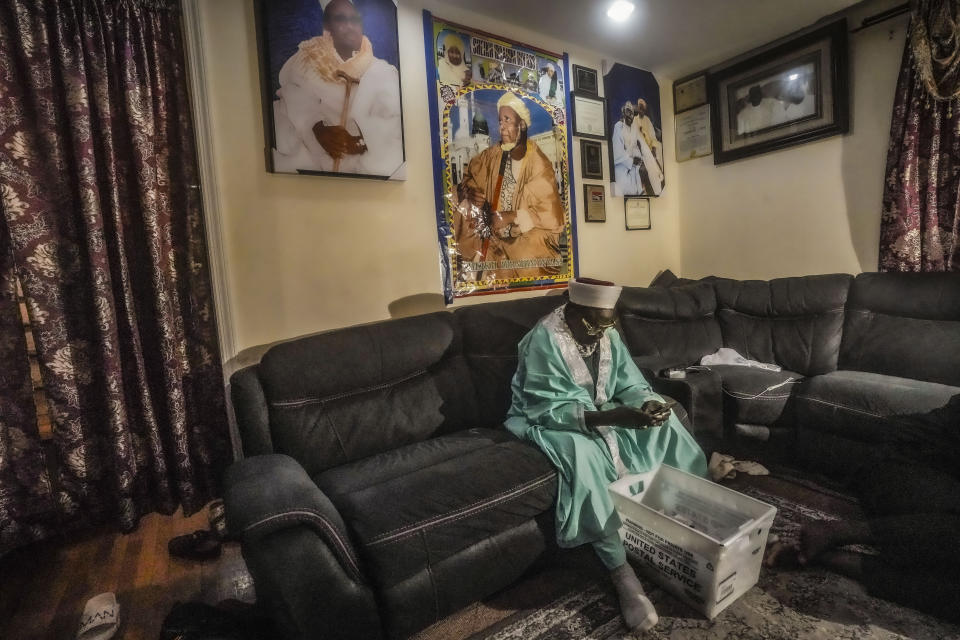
point(331, 83)
point(636, 136)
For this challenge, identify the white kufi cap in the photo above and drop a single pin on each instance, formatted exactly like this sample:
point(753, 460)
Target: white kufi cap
point(324, 3)
point(598, 294)
point(512, 100)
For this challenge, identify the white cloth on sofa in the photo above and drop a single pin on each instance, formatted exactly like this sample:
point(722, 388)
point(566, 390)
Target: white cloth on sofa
point(726, 355)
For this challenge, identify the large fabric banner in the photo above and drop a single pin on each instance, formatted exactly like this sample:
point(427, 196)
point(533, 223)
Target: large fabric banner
point(501, 162)
point(636, 136)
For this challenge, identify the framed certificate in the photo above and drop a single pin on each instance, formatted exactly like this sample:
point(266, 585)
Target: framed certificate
point(636, 212)
point(589, 116)
point(689, 92)
point(594, 203)
point(693, 133)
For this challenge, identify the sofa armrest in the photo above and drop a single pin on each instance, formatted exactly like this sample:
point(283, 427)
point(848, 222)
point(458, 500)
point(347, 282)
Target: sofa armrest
point(701, 394)
point(268, 493)
point(295, 544)
point(250, 410)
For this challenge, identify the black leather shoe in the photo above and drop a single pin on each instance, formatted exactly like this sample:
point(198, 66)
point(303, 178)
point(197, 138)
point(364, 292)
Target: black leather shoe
point(199, 545)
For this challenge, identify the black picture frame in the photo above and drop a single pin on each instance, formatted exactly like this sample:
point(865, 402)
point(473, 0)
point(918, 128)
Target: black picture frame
point(588, 115)
point(591, 160)
point(281, 27)
point(790, 94)
point(594, 203)
point(634, 225)
point(586, 80)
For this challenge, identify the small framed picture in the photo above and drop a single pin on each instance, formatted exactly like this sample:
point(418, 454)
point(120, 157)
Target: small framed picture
point(589, 116)
point(585, 80)
point(689, 92)
point(591, 160)
point(636, 212)
point(594, 203)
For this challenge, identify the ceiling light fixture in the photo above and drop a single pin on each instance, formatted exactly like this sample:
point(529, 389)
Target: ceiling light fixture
point(620, 10)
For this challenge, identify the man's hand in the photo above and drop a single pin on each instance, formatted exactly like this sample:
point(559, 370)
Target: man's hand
point(503, 224)
point(337, 141)
point(474, 196)
point(651, 413)
point(657, 411)
point(467, 76)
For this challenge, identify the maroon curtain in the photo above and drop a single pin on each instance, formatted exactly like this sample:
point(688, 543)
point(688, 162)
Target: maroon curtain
point(27, 510)
point(920, 228)
point(100, 204)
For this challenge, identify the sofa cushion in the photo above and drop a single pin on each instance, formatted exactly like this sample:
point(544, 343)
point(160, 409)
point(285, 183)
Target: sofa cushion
point(847, 418)
point(491, 333)
point(872, 407)
point(904, 324)
point(348, 394)
point(665, 327)
point(747, 396)
point(793, 322)
point(411, 508)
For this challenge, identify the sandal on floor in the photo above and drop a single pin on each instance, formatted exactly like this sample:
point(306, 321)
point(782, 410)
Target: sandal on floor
point(100, 619)
point(199, 545)
point(218, 520)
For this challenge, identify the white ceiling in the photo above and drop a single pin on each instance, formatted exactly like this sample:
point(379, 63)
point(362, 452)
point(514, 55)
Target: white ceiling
point(673, 37)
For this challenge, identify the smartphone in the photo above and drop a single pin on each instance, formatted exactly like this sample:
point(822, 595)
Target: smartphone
point(667, 408)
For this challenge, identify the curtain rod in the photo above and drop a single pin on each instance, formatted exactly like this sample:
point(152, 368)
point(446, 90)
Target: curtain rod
point(883, 16)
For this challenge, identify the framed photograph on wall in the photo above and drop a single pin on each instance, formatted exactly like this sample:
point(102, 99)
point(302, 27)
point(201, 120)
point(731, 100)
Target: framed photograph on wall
point(585, 80)
point(594, 203)
point(589, 118)
point(790, 94)
point(330, 83)
point(591, 160)
point(636, 213)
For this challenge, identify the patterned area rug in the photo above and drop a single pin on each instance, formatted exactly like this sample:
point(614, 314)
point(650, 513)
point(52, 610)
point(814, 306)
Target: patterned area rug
point(579, 602)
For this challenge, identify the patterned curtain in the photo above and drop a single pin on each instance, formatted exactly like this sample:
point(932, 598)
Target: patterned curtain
point(920, 228)
point(102, 219)
point(27, 509)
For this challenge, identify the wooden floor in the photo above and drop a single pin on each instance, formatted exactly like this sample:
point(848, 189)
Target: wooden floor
point(43, 588)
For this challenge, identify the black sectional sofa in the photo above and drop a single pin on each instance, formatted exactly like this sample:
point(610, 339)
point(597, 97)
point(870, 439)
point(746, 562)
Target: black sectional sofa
point(380, 492)
point(868, 362)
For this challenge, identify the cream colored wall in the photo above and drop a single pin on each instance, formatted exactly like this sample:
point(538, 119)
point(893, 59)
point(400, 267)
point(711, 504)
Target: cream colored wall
point(814, 208)
point(305, 254)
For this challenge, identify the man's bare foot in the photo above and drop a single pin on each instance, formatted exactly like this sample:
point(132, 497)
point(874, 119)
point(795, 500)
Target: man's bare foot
point(847, 563)
point(782, 556)
point(816, 536)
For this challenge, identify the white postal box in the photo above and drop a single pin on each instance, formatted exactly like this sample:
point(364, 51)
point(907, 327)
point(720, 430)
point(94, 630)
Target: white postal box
point(698, 540)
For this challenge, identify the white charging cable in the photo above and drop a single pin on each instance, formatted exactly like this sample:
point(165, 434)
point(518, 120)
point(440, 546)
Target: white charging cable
point(790, 380)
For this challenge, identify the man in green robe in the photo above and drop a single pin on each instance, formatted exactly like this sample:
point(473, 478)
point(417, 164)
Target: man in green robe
point(579, 396)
